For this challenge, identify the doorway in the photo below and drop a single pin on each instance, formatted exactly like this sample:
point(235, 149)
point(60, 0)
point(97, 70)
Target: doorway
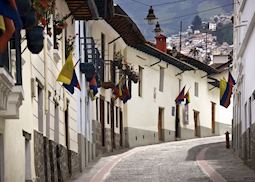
point(160, 124)
point(197, 123)
point(121, 129)
point(69, 162)
point(1, 158)
point(213, 118)
point(112, 124)
point(177, 122)
point(102, 121)
point(28, 175)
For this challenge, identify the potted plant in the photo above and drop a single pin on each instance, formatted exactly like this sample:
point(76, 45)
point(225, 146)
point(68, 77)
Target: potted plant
point(117, 60)
point(43, 8)
point(60, 23)
point(35, 39)
point(69, 44)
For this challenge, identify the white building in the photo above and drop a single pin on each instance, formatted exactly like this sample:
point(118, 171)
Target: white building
point(150, 115)
point(212, 26)
point(39, 141)
point(244, 94)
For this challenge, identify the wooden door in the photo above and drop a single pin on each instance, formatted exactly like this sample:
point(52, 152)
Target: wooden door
point(67, 138)
point(177, 122)
point(1, 158)
point(160, 124)
point(121, 129)
point(102, 121)
point(112, 125)
point(197, 124)
point(213, 117)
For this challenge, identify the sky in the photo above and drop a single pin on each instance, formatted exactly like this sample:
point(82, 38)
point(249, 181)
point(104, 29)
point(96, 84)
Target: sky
point(170, 15)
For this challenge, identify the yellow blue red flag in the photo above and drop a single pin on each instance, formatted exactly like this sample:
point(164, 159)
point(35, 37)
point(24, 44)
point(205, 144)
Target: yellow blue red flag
point(66, 73)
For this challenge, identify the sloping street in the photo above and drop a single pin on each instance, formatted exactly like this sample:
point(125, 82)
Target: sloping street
point(195, 160)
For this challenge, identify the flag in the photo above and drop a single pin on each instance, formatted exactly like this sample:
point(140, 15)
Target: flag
point(180, 97)
point(2, 25)
point(93, 89)
point(226, 90)
point(66, 74)
point(7, 34)
point(118, 89)
point(187, 97)
point(231, 80)
point(122, 81)
point(225, 93)
point(126, 95)
point(10, 11)
point(74, 83)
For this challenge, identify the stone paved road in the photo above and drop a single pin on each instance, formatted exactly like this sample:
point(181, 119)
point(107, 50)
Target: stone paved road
point(171, 162)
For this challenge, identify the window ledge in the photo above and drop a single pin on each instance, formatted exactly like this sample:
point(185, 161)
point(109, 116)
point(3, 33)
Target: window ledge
point(11, 96)
point(6, 84)
point(13, 104)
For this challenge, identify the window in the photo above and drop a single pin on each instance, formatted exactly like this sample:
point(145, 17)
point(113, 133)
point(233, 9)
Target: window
point(117, 117)
point(28, 176)
point(56, 122)
point(1, 157)
point(108, 112)
point(196, 89)
point(97, 109)
point(11, 58)
point(48, 118)
point(67, 125)
point(102, 46)
point(140, 83)
point(173, 111)
point(161, 79)
point(40, 107)
point(180, 84)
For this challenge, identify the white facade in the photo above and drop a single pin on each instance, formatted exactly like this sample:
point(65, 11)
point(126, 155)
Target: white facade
point(142, 111)
point(96, 29)
point(40, 72)
point(244, 40)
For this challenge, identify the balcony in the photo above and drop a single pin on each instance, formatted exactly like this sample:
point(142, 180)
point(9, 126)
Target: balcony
point(11, 92)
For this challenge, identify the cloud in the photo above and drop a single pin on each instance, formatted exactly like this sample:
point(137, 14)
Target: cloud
point(209, 5)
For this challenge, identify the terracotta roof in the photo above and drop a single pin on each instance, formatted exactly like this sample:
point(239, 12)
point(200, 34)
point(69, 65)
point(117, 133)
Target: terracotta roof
point(163, 56)
point(125, 26)
point(196, 63)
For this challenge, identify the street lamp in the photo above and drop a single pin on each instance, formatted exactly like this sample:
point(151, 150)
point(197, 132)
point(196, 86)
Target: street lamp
point(157, 29)
point(151, 16)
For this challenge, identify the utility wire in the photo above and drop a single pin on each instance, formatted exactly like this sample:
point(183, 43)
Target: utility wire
point(159, 4)
point(203, 11)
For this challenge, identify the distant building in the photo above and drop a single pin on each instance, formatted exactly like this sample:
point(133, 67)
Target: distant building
point(212, 26)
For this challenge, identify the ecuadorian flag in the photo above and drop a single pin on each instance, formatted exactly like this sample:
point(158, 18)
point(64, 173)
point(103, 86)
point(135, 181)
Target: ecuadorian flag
point(181, 96)
point(226, 88)
point(66, 73)
point(68, 76)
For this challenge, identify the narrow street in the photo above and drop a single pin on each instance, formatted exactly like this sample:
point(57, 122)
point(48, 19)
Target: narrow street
point(195, 160)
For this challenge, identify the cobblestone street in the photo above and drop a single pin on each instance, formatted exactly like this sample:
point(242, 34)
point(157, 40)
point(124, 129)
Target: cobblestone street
point(196, 160)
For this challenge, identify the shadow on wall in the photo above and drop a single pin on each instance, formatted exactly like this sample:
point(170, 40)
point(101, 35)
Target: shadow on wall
point(245, 144)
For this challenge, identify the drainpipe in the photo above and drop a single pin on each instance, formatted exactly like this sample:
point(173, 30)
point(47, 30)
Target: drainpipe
point(45, 75)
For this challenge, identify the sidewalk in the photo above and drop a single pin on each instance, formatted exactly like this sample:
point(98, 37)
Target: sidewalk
point(228, 165)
